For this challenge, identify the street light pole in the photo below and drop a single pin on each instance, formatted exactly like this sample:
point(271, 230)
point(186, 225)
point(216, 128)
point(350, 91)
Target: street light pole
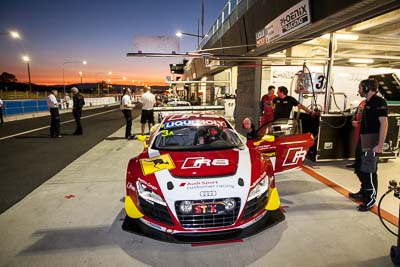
point(80, 74)
point(27, 59)
point(84, 62)
point(97, 84)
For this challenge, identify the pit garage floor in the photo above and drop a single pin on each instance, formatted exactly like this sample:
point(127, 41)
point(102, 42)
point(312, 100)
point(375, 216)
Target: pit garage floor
point(75, 218)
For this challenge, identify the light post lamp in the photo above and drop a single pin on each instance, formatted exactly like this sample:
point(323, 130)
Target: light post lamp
point(97, 84)
point(13, 34)
point(80, 74)
point(124, 79)
point(27, 59)
point(84, 62)
point(133, 82)
point(179, 34)
point(108, 87)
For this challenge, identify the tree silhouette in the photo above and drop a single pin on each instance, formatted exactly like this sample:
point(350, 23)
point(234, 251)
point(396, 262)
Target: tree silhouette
point(7, 78)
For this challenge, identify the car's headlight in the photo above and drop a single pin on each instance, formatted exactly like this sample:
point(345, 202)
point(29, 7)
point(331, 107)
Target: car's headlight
point(148, 194)
point(259, 189)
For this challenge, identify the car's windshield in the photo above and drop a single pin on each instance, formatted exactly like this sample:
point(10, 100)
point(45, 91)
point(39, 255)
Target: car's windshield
point(196, 138)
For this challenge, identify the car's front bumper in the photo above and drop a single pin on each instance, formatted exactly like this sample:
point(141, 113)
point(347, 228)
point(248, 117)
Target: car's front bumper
point(269, 219)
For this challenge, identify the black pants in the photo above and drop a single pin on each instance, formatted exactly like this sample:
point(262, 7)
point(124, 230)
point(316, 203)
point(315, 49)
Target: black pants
point(128, 117)
point(55, 122)
point(369, 181)
point(1, 115)
point(77, 116)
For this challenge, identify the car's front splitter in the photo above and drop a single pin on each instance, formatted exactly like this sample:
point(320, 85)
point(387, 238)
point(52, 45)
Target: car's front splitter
point(269, 219)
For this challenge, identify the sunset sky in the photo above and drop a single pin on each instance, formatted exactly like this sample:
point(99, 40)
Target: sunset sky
point(100, 32)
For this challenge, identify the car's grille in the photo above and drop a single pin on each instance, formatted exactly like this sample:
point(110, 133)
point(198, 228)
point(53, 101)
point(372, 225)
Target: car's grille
point(255, 205)
point(208, 220)
point(155, 211)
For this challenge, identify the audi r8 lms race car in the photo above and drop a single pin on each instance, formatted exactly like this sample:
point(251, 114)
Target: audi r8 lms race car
point(198, 180)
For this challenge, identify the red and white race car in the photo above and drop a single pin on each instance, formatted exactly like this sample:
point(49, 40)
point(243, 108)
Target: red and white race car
point(198, 180)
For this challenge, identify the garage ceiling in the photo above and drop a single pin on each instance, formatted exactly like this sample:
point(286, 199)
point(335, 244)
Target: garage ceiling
point(378, 41)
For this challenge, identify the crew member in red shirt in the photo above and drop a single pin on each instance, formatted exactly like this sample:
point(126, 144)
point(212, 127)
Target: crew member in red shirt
point(267, 106)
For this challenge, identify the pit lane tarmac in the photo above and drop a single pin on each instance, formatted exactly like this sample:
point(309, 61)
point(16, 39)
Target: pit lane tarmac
point(75, 220)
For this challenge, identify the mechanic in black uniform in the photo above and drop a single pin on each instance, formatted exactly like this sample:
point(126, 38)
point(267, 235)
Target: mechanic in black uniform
point(374, 125)
point(284, 104)
point(79, 102)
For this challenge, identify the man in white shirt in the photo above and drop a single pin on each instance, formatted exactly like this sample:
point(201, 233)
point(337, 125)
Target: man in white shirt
point(126, 108)
point(55, 115)
point(66, 99)
point(148, 101)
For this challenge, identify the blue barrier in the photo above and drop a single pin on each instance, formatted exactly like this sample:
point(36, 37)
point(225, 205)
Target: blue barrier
point(15, 107)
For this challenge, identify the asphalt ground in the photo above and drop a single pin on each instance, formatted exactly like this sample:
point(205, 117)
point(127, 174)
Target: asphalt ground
point(29, 159)
point(75, 219)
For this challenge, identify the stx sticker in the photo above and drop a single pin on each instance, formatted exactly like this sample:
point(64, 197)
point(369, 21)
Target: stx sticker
point(293, 156)
point(198, 162)
point(156, 164)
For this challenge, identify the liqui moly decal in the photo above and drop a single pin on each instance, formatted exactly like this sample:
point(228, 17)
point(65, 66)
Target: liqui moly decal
point(174, 124)
point(198, 162)
point(293, 156)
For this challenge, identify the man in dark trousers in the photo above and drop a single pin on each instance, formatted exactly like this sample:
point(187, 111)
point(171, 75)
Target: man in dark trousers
point(373, 129)
point(79, 102)
point(53, 104)
point(126, 108)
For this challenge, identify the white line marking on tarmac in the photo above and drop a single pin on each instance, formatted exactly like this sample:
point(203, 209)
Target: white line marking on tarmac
point(41, 128)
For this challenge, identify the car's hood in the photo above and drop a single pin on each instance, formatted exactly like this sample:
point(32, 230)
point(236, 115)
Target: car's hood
point(204, 163)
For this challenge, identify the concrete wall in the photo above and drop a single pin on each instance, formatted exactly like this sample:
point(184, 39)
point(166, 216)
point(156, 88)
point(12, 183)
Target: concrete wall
point(247, 95)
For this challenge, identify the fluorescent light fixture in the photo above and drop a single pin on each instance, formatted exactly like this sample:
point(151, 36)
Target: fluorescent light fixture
point(277, 55)
point(343, 36)
point(361, 60)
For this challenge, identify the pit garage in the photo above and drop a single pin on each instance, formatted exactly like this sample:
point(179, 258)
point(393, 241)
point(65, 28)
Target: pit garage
point(76, 220)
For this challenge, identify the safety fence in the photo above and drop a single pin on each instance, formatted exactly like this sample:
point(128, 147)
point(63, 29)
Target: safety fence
point(26, 106)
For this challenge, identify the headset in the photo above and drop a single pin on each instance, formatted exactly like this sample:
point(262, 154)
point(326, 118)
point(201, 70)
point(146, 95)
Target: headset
point(369, 85)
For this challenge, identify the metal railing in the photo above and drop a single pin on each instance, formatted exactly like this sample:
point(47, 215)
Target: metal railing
point(231, 12)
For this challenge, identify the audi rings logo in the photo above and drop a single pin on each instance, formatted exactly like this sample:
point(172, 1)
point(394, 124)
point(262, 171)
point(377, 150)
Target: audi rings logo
point(208, 193)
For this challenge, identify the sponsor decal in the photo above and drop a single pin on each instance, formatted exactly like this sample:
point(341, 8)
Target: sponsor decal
point(293, 156)
point(130, 186)
point(209, 208)
point(153, 225)
point(152, 165)
point(201, 185)
point(291, 20)
point(208, 193)
point(147, 184)
point(198, 162)
point(266, 147)
point(180, 123)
